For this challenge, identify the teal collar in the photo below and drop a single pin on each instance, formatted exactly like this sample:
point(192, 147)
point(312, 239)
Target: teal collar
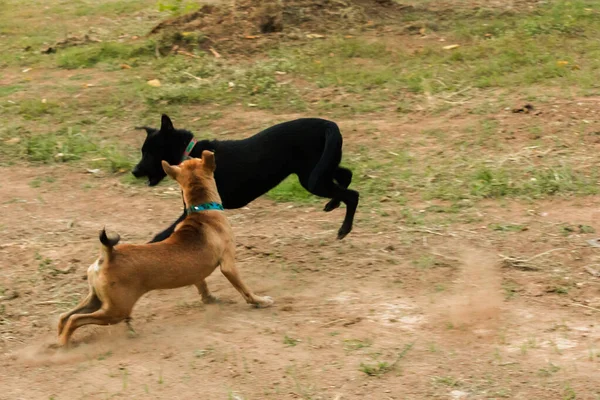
point(204, 207)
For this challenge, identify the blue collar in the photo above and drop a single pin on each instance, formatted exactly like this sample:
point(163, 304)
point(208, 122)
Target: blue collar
point(204, 207)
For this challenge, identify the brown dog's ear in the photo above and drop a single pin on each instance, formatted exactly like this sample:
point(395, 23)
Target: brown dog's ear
point(208, 158)
point(170, 170)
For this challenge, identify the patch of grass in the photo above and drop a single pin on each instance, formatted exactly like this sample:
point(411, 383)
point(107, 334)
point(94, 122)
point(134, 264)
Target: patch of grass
point(32, 109)
point(382, 367)
point(507, 227)
point(66, 145)
point(62, 146)
point(206, 81)
point(107, 52)
point(586, 229)
point(290, 190)
point(569, 393)
point(35, 183)
point(488, 182)
point(177, 7)
point(511, 290)
point(564, 290)
point(289, 341)
point(377, 369)
point(550, 370)
point(356, 344)
point(203, 352)
point(104, 356)
point(109, 8)
point(6, 90)
point(449, 381)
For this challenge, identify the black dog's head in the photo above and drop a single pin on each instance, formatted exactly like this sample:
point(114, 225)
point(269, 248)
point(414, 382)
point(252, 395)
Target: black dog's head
point(166, 143)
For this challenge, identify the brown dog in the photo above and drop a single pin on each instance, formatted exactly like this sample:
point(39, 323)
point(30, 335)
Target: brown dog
point(201, 242)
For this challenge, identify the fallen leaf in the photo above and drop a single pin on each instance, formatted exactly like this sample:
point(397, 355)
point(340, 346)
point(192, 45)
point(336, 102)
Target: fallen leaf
point(154, 82)
point(252, 105)
point(26, 70)
point(89, 85)
point(125, 66)
point(451, 47)
point(251, 37)
point(93, 171)
point(562, 63)
point(214, 52)
point(314, 36)
point(186, 53)
point(44, 101)
point(13, 140)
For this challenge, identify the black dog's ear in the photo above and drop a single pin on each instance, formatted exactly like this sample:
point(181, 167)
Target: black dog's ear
point(166, 124)
point(146, 128)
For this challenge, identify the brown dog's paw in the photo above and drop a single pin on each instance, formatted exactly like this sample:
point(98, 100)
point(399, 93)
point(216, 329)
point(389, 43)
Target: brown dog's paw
point(52, 346)
point(210, 299)
point(264, 301)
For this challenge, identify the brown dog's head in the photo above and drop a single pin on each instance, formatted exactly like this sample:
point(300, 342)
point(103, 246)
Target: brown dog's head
point(196, 178)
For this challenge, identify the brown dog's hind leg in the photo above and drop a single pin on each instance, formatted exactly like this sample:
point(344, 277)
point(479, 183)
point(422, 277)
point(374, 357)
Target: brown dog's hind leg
point(230, 271)
point(88, 305)
point(99, 317)
point(207, 297)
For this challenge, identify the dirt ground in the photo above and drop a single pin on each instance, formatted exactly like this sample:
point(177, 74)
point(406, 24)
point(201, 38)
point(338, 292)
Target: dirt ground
point(500, 300)
point(453, 327)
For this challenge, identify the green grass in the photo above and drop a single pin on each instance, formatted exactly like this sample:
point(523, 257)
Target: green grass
point(7, 90)
point(376, 369)
point(65, 145)
point(383, 367)
point(289, 341)
point(498, 50)
point(107, 52)
point(290, 190)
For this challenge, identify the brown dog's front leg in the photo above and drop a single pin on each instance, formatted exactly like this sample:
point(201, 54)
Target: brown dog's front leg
point(230, 271)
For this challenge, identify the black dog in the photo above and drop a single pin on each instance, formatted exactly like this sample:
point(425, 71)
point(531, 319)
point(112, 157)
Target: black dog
point(310, 148)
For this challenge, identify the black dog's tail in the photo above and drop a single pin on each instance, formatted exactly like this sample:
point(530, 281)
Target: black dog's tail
point(108, 243)
point(331, 156)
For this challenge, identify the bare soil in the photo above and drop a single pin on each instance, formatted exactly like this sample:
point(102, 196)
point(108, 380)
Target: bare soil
point(462, 325)
point(455, 310)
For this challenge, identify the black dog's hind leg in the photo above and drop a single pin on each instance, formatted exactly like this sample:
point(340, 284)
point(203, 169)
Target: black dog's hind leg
point(169, 231)
point(328, 188)
point(343, 176)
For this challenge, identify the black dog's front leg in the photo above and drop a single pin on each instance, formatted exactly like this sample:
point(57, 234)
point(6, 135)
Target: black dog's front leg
point(167, 232)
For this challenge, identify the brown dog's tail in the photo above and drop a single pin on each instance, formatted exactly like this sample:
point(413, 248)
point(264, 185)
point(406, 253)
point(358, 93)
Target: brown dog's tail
point(108, 243)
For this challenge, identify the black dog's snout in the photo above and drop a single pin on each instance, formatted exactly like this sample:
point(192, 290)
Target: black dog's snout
point(136, 172)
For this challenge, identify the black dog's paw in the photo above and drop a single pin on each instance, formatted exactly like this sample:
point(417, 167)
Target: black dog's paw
point(343, 232)
point(332, 205)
